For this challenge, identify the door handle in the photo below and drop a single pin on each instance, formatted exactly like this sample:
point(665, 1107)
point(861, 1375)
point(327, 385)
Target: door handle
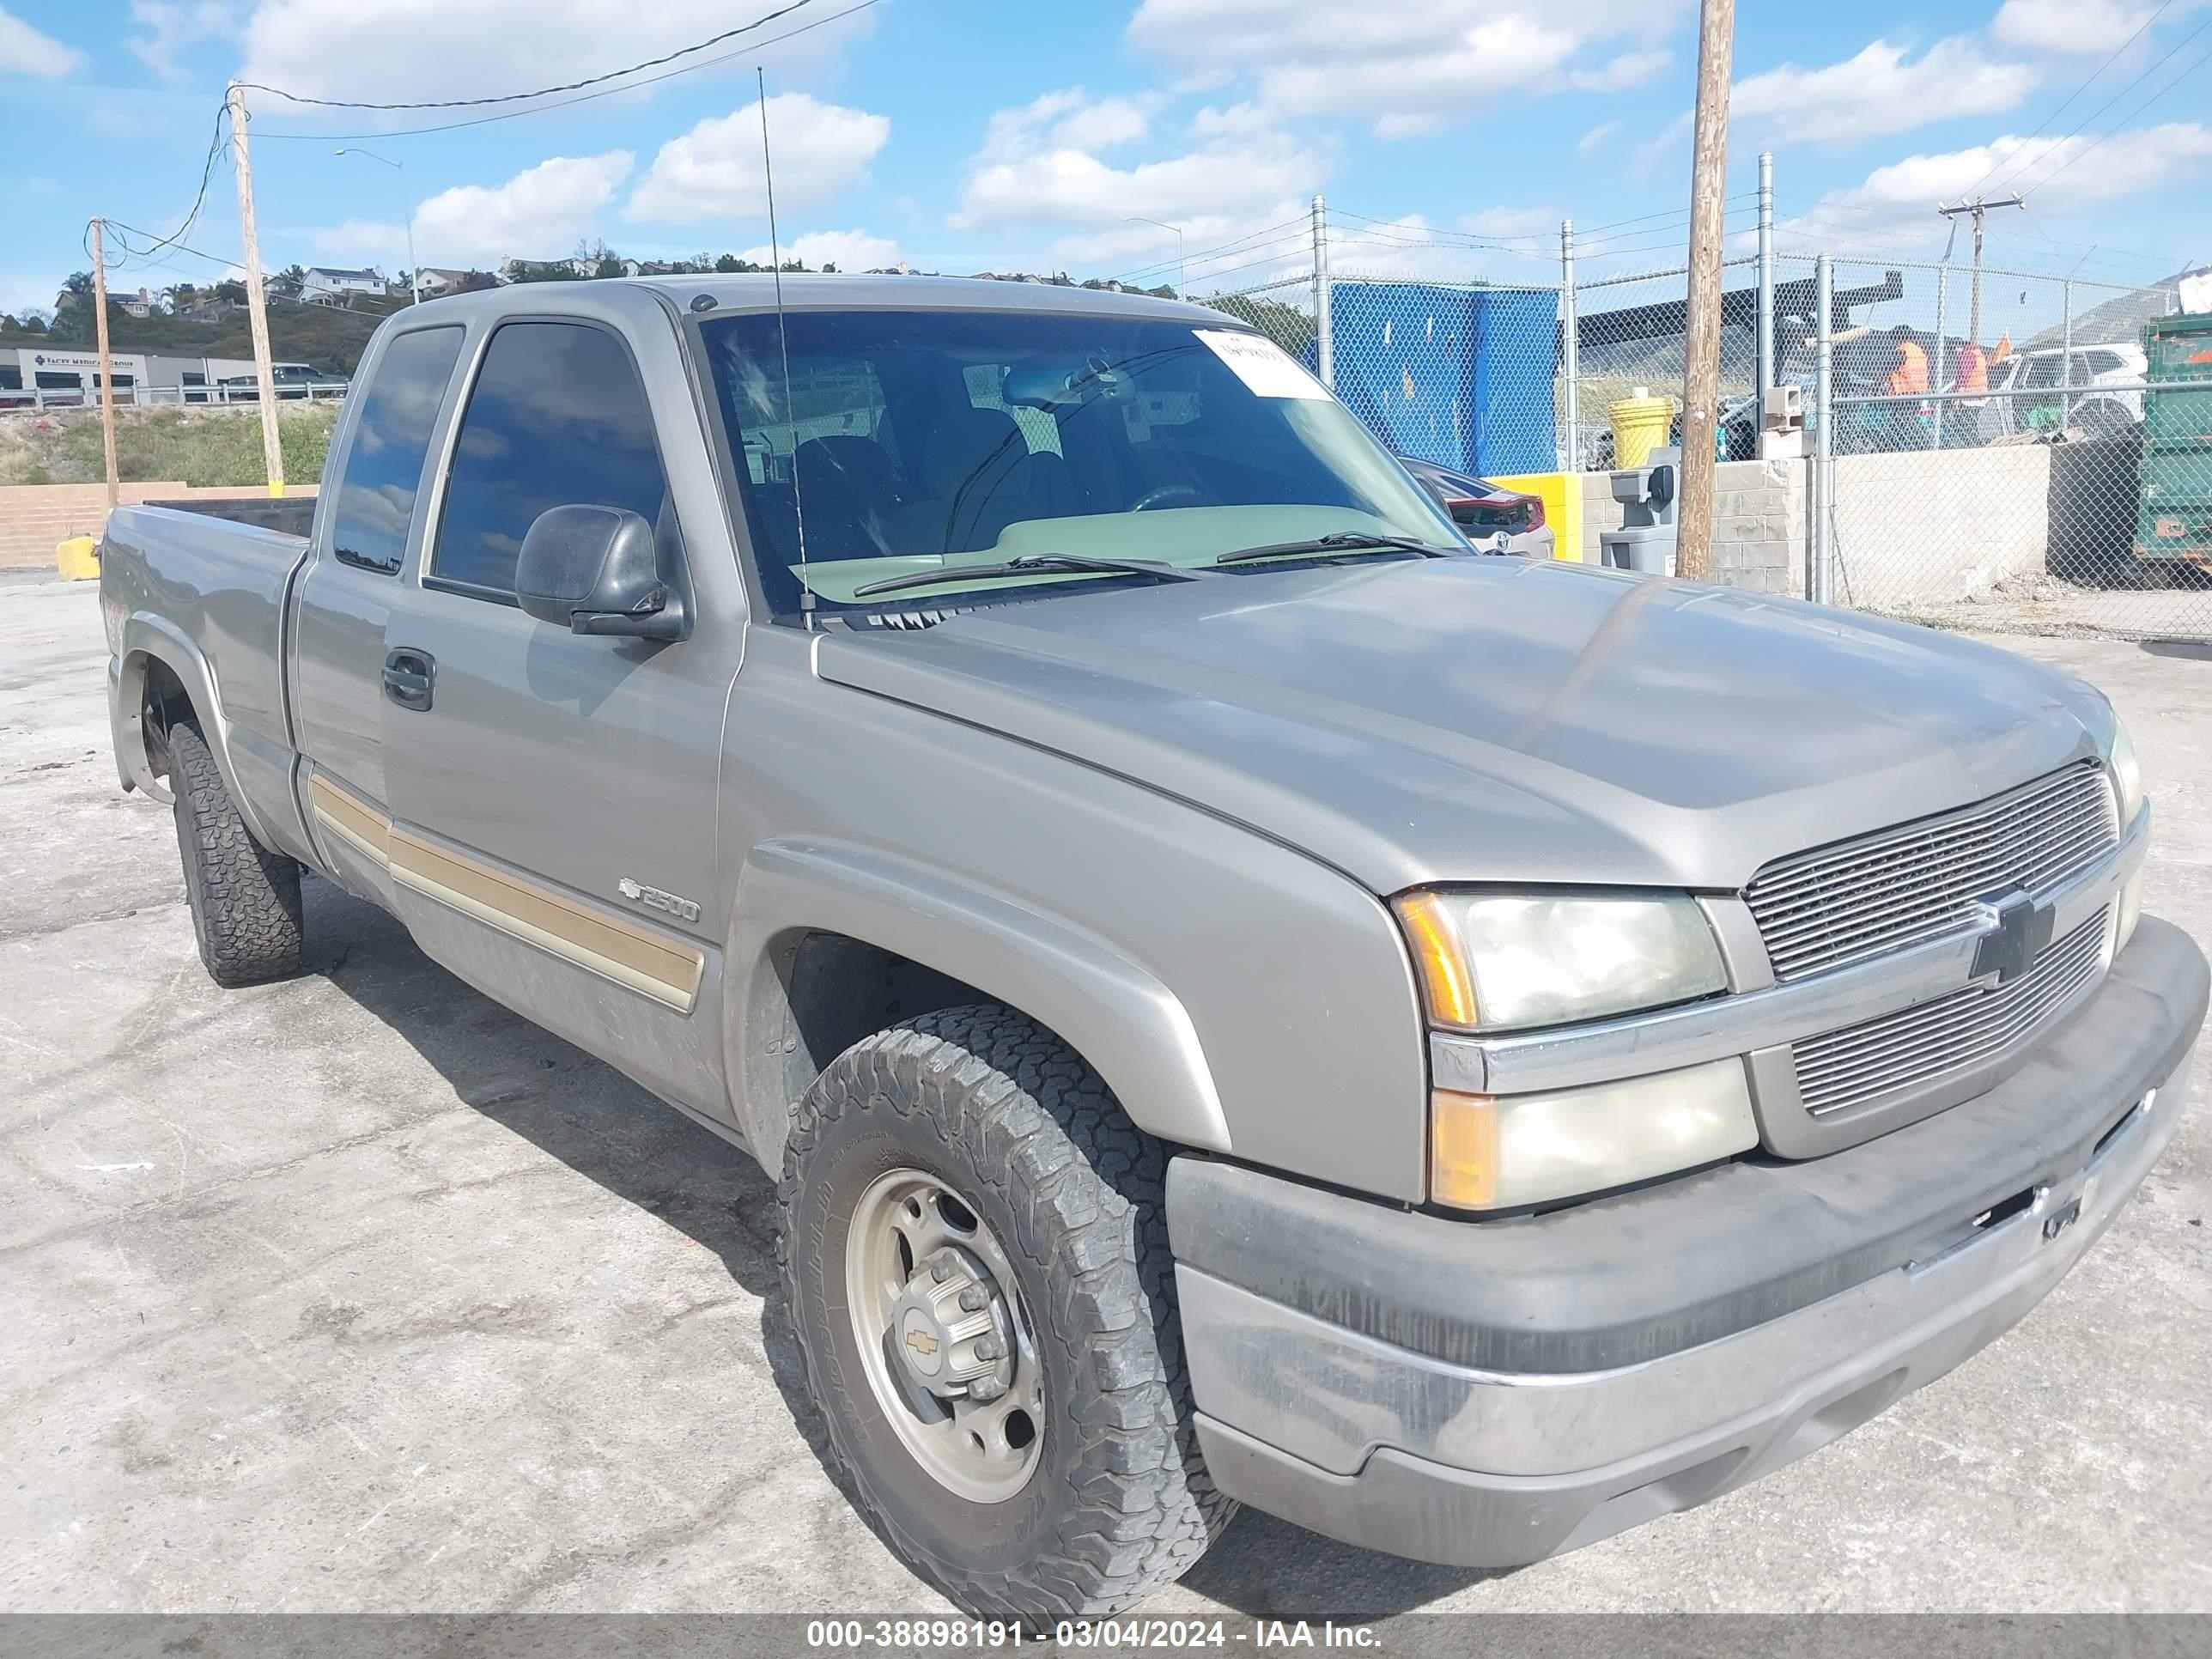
point(408, 674)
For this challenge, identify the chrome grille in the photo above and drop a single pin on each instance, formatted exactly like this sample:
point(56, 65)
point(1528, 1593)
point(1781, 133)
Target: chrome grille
point(1922, 1044)
point(1844, 903)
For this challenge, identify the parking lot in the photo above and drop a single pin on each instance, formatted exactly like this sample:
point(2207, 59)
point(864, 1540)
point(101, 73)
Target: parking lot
point(358, 1293)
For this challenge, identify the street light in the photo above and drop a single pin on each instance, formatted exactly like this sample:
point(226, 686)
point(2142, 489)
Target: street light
point(1135, 219)
point(414, 270)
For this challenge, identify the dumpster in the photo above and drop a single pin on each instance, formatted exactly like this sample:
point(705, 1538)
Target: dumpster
point(2174, 521)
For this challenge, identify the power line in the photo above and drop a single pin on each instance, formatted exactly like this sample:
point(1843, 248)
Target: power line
point(541, 91)
point(581, 98)
point(2044, 182)
point(2170, 52)
point(2085, 86)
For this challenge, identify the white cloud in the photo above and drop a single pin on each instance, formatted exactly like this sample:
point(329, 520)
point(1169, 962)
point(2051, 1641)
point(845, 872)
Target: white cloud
point(1596, 137)
point(536, 215)
point(1899, 201)
point(1410, 249)
point(849, 250)
point(2072, 27)
point(391, 50)
point(362, 239)
point(1881, 90)
point(1415, 67)
point(170, 27)
point(713, 171)
point(1629, 69)
point(1030, 172)
point(1505, 223)
point(24, 51)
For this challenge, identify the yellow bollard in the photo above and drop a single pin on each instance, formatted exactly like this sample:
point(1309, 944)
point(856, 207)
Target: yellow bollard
point(78, 559)
point(1640, 425)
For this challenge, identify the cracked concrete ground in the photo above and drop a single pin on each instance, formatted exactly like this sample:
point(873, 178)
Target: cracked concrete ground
point(357, 1293)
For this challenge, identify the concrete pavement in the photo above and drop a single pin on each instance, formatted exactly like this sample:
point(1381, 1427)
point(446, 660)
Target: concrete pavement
point(358, 1293)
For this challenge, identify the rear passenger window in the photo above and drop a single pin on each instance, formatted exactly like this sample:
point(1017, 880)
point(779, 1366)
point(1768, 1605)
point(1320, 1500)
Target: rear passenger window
point(557, 418)
point(391, 436)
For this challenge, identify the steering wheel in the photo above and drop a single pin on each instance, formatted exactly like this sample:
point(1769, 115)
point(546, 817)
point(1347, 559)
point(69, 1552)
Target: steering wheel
point(1165, 492)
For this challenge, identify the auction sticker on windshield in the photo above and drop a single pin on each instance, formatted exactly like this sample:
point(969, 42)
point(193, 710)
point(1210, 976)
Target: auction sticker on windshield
point(1264, 367)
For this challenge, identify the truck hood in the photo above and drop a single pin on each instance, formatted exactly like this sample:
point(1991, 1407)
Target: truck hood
point(1491, 720)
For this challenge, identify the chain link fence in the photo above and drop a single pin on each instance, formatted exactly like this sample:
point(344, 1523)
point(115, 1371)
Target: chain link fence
point(2032, 453)
point(2020, 451)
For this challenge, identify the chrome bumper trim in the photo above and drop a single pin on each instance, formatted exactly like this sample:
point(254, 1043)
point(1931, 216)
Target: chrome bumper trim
point(1608, 1051)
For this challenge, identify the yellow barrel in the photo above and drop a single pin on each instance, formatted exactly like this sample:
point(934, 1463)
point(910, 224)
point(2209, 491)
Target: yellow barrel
point(78, 559)
point(1640, 425)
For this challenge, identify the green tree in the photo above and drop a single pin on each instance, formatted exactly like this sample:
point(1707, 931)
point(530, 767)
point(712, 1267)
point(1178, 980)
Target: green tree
point(232, 289)
point(289, 283)
point(34, 323)
point(729, 263)
point(77, 286)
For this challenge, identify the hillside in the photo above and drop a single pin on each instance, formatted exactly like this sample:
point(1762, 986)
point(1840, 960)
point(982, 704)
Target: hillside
point(202, 445)
point(328, 340)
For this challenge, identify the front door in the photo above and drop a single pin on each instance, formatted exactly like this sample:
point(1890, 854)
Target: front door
point(553, 795)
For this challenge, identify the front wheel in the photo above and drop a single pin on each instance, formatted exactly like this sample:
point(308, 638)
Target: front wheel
point(976, 1261)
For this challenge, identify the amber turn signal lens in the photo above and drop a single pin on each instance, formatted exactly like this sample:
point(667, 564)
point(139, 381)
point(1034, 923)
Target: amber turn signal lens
point(1446, 980)
point(1462, 1149)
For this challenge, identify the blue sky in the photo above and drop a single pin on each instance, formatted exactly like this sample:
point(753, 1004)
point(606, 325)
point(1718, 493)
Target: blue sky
point(965, 135)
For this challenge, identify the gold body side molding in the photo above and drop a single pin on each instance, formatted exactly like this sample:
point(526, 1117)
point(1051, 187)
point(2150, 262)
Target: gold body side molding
point(614, 947)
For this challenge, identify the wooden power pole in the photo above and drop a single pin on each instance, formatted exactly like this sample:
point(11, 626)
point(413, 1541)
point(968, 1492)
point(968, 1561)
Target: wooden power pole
point(1701, 329)
point(107, 362)
point(257, 304)
point(1977, 210)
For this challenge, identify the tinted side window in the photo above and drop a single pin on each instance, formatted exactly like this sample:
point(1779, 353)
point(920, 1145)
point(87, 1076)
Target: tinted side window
point(384, 463)
point(558, 417)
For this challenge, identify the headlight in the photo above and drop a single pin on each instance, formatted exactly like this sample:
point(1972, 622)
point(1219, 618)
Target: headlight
point(1494, 961)
point(2127, 774)
point(1500, 1151)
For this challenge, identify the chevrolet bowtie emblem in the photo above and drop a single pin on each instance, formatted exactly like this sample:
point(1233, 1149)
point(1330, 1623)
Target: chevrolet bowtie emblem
point(921, 1342)
point(2023, 928)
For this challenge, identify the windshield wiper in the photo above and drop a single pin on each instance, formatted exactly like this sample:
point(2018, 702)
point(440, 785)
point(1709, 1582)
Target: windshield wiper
point(1341, 541)
point(1029, 564)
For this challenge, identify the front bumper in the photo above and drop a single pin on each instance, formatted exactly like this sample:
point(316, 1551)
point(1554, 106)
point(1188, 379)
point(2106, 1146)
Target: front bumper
point(1490, 1393)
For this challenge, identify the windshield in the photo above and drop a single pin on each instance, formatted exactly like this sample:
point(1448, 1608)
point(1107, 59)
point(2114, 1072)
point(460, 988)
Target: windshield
point(919, 440)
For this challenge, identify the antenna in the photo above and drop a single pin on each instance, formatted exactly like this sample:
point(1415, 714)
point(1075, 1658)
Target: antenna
point(783, 339)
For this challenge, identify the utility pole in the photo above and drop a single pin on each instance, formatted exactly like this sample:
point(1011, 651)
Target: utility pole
point(107, 363)
point(1701, 332)
point(1570, 453)
point(1768, 369)
point(1324, 346)
point(257, 303)
point(1976, 210)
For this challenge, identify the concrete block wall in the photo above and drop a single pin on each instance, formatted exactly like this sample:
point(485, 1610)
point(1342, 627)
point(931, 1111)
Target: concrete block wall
point(1759, 523)
point(34, 518)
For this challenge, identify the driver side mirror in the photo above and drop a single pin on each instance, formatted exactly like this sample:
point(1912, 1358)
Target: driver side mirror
point(597, 570)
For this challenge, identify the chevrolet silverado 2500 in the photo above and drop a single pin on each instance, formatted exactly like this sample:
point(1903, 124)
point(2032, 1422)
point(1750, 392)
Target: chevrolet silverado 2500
point(1245, 1000)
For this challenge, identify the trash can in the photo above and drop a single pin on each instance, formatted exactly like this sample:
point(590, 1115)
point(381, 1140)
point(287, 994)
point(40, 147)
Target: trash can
point(1645, 540)
point(1640, 425)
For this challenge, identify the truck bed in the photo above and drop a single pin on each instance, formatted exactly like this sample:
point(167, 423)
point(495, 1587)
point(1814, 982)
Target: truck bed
point(294, 515)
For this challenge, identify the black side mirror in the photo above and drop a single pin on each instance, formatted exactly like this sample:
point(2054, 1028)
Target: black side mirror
point(597, 570)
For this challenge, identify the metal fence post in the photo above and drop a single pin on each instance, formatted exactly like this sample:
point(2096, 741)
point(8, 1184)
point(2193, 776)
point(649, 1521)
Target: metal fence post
point(1571, 450)
point(2066, 370)
point(1764, 358)
point(1819, 520)
point(1324, 347)
point(1935, 380)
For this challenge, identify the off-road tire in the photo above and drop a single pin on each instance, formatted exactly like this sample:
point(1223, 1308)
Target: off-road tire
point(245, 899)
point(1030, 1137)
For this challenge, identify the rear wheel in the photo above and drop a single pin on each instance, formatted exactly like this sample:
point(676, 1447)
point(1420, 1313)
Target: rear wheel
point(245, 899)
point(976, 1261)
